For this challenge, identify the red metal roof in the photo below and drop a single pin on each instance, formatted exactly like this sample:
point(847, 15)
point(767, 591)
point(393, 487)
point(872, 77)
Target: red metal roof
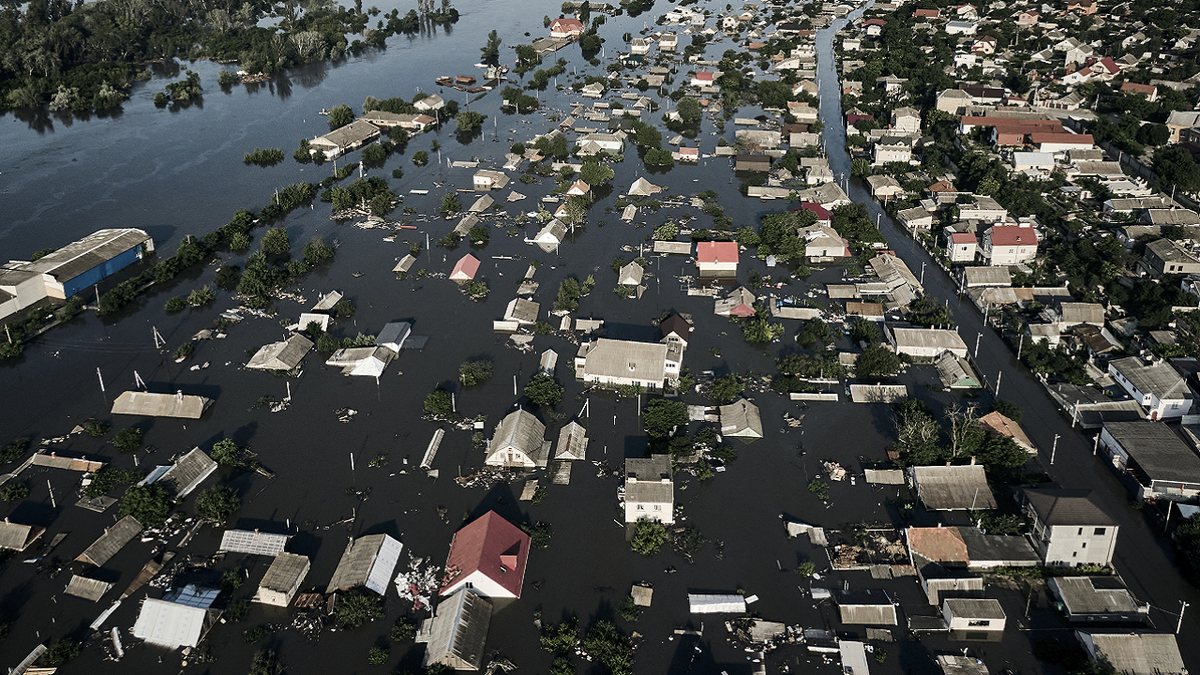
point(487, 545)
point(465, 268)
point(1013, 235)
point(567, 25)
point(1064, 137)
point(717, 252)
point(874, 22)
point(927, 13)
point(822, 212)
point(963, 238)
point(705, 76)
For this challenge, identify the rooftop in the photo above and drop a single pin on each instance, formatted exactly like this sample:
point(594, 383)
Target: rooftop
point(1067, 507)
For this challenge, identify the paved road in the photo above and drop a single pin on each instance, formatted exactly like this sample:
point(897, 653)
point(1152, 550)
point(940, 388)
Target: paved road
point(1144, 558)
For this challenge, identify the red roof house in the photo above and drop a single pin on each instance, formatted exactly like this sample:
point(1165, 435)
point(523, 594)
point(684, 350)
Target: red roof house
point(824, 215)
point(465, 268)
point(704, 78)
point(1148, 90)
point(927, 13)
point(562, 28)
point(717, 256)
point(487, 556)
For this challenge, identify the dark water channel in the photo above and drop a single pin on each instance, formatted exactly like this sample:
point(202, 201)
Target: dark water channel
point(175, 172)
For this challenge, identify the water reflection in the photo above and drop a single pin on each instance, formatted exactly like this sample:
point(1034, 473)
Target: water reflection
point(312, 74)
point(37, 119)
point(169, 68)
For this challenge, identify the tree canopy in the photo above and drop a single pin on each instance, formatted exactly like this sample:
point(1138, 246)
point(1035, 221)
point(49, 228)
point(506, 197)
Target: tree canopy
point(661, 415)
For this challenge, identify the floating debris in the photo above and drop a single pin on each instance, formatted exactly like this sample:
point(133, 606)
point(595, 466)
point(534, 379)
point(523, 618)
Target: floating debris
point(344, 415)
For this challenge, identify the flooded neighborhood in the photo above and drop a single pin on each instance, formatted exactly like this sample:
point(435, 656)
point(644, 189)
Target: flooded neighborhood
point(642, 337)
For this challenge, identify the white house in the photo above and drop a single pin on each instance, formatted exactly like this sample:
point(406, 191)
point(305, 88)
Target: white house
point(650, 365)
point(649, 489)
point(1069, 528)
point(927, 343)
point(1157, 387)
point(961, 246)
point(973, 614)
point(1009, 244)
point(961, 27)
point(487, 556)
point(717, 256)
point(282, 580)
point(519, 442)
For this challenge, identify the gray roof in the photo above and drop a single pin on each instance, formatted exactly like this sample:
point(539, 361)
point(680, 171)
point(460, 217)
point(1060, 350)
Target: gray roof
point(1009, 550)
point(253, 542)
point(975, 608)
point(113, 540)
point(18, 537)
point(352, 134)
point(88, 589)
point(286, 570)
point(357, 566)
point(572, 442)
point(148, 404)
point(405, 264)
point(1167, 250)
point(520, 309)
point(624, 358)
point(952, 664)
point(458, 631)
point(954, 371)
point(284, 355)
point(987, 276)
point(180, 619)
point(891, 269)
point(741, 419)
point(1171, 217)
point(649, 480)
point(394, 334)
point(1093, 595)
point(1091, 313)
point(187, 473)
point(80, 256)
point(1139, 653)
point(870, 607)
point(1067, 507)
point(519, 430)
point(631, 274)
point(928, 338)
point(953, 487)
point(1157, 450)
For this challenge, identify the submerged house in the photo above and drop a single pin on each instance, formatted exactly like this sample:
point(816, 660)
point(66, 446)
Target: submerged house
point(18, 537)
point(622, 362)
point(952, 488)
point(649, 489)
point(740, 419)
point(185, 475)
point(345, 139)
point(456, 634)
point(519, 442)
point(367, 562)
point(180, 619)
point(362, 361)
point(572, 442)
point(282, 580)
point(149, 404)
point(284, 355)
point(112, 541)
point(487, 557)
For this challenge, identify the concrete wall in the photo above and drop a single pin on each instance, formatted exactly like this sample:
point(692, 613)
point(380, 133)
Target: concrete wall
point(1072, 545)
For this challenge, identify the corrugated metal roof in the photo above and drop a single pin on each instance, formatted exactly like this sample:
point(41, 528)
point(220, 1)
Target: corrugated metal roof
point(18, 537)
point(1157, 450)
point(362, 561)
point(1139, 653)
point(458, 631)
point(148, 404)
point(650, 480)
point(286, 570)
point(187, 473)
point(572, 442)
point(961, 665)
point(869, 607)
point(741, 419)
point(713, 603)
point(975, 608)
point(88, 589)
point(1081, 595)
point(953, 487)
point(284, 355)
point(1067, 507)
point(253, 542)
point(607, 358)
point(519, 430)
point(80, 256)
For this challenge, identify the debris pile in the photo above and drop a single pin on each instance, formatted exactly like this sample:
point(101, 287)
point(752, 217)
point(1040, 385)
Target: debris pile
point(835, 471)
point(419, 583)
point(791, 421)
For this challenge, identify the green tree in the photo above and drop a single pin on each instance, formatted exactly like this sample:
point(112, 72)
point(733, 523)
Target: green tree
point(14, 492)
point(595, 174)
point(216, 504)
point(561, 639)
point(1175, 168)
point(490, 52)
point(450, 203)
point(608, 646)
point(648, 537)
point(202, 296)
point(438, 402)
point(689, 111)
point(542, 390)
point(60, 653)
point(468, 121)
point(316, 251)
point(569, 293)
point(357, 606)
point(340, 116)
point(420, 158)
point(275, 242)
point(127, 440)
point(727, 389)
point(226, 453)
point(876, 362)
point(403, 630)
point(377, 656)
point(471, 373)
point(1007, 408)
point(662, 415)
point(860, 167)
point(149, 504)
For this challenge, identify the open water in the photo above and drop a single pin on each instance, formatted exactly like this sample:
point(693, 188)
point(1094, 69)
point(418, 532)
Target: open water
point(177, 172)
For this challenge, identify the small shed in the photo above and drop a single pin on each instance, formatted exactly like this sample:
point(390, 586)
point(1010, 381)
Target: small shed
point(180, 619)
point(953, 664)
point(482, 204)
point(716, 603)
point(113, 540)
point(1095, 600)
point(871, 607)
point(282, 580)
point(393, 335)
point(88, 589)
point(362, 361)
point(522, 311)
point(572, 442)
point(253, 542)
point(405, 264)
point(973, 614)
point(955, 372)
point(854, 657)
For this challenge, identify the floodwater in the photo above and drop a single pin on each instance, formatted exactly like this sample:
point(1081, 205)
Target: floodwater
point(178, 172)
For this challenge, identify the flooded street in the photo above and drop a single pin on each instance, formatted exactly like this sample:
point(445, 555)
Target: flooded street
point(180, 172)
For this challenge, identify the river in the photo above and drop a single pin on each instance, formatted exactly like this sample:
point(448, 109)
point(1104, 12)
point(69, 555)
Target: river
point(175, 172)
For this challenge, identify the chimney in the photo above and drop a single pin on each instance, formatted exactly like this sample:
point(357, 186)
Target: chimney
point(972, 460)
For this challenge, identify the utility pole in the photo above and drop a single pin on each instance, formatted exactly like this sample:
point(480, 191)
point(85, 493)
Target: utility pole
point(998, 377)
point(1053, 449)
point(922, 274)
point(1183, 607)
point(1020, 346)
point(977, 339)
